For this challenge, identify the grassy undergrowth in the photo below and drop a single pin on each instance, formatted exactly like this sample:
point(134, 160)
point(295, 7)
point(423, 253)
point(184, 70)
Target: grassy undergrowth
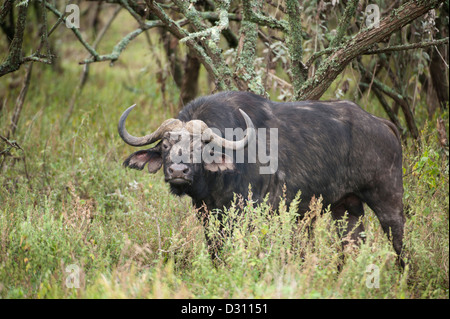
point(75, 216)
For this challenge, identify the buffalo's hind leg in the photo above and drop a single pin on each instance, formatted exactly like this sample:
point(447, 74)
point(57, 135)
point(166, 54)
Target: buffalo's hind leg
point(388, 207)
point(351, 209)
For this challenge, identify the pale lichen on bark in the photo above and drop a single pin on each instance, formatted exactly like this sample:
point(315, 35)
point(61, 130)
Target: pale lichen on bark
point(245, 74)
point(14, 59)
point(294, 36)
point(344, 22)
point(210, 37)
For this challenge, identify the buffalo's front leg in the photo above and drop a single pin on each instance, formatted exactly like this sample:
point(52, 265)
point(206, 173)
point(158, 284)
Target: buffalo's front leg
point(214, 241)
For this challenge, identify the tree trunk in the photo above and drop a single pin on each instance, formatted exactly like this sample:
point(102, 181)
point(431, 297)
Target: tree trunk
point(189, 83)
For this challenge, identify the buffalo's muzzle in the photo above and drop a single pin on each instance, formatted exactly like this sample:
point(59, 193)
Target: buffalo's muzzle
point(178, 174)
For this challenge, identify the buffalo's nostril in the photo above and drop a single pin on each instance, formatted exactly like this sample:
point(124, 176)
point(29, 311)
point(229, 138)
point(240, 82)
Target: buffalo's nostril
point(178, 170)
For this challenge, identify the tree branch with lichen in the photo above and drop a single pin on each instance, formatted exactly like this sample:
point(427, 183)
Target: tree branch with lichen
point(122, 44)
point(77, 33)
point(14, 59)
point(210, 45)
point(196, 48)
point(261, 19)
point(295, 44)
point(213, 32)
point(409, 46)
point(245, 74)
point(344, 22)
point(331, 67)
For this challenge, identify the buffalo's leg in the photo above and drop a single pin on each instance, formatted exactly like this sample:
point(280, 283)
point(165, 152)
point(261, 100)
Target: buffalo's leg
point(388, 207)
point(351, 210)
point(214, 244)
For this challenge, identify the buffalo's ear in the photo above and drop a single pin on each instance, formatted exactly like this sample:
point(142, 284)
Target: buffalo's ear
point(151, 156)
point(221, 163)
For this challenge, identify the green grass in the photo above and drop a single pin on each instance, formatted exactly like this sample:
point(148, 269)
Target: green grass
point(131, 238)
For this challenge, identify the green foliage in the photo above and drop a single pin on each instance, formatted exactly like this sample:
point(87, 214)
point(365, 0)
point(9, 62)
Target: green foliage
point(426, 202)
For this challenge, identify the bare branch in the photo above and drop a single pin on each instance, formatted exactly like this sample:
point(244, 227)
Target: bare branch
point(105, 28)
point(117, 50)
point(407, 46)
point(19, 102)
point(397, 97)
point(57, 23)
point(392, 116)
point(77, 33)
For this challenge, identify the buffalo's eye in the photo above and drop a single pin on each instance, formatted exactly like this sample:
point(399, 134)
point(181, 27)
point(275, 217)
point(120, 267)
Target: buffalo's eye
point(165, 146)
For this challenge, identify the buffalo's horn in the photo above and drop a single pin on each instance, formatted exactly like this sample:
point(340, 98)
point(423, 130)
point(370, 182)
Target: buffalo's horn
point(166, 126)
point(222, 142)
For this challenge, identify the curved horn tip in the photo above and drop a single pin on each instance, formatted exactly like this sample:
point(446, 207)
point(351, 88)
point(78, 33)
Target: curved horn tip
point(244, 114)
point(247, 119)
point(237, 145)
point(128, 110)
point(125, 113)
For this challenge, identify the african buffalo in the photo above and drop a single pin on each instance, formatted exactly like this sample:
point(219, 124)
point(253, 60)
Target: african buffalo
point(329, 148)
